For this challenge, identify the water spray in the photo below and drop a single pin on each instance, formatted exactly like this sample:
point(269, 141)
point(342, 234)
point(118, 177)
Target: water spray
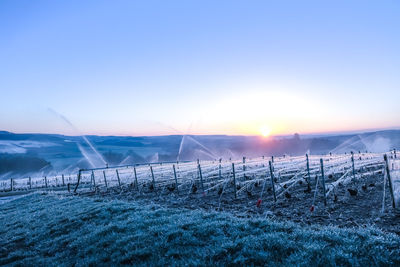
point(63, 118)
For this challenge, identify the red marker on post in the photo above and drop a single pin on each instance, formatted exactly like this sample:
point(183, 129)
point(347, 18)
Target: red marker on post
point(259, 203)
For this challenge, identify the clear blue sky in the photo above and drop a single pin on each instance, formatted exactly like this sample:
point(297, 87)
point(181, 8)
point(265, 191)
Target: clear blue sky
point(203, 67)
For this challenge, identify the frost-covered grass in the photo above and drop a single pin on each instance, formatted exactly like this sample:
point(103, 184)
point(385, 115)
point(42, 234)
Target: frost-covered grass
point(53, 230)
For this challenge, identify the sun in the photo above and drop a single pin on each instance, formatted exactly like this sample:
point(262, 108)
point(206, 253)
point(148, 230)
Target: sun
point(265, 131)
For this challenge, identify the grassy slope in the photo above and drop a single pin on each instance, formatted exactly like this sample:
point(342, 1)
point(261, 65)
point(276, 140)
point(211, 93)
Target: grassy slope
point(53, 230)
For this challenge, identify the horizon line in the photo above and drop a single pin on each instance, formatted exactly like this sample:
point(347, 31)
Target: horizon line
point(328, 133)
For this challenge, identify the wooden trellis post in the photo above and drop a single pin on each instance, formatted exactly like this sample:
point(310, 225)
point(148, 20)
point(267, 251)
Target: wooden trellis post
point(45, 181)
point(152, 176)
point(352, 164)
point(11, 184)
point(30, 182)
point(323, 180)
point(79, 180)
point(389, 180)
point(272, 179)
point(308, 169)
point(136, 181)
point(201, 177)
point(119, 181)
point(219, 169)
point(234, 179)
point(62, 178)
point(105, 179)
point(244, 168)
point(94, 179)
point(395, 156)
point(176, 179)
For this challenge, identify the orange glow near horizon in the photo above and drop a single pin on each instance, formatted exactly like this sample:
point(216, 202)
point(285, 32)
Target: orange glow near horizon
point(263, 112)
point(265, 131)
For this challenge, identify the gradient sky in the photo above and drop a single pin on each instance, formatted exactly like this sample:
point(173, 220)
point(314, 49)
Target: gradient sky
point(200, 67)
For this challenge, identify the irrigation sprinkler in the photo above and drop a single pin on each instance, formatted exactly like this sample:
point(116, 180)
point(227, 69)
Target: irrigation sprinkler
point(323, 179)
point(119, 181)
point(272, 179)
point(176, 179)
point(105, 179)
point(389, 180)
point(234, 179)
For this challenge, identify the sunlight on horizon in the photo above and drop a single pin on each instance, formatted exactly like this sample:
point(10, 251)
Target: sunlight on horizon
point(265, 131)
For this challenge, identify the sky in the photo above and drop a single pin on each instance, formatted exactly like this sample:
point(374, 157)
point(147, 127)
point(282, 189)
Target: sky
point(199, 67)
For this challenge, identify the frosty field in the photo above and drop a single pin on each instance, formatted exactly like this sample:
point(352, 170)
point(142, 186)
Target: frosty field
point(345, 190)
point(56, 229)
point(314, 210)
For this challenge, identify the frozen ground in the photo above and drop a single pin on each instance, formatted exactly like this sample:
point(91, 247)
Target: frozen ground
point(56, 229)
point(344, 210)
